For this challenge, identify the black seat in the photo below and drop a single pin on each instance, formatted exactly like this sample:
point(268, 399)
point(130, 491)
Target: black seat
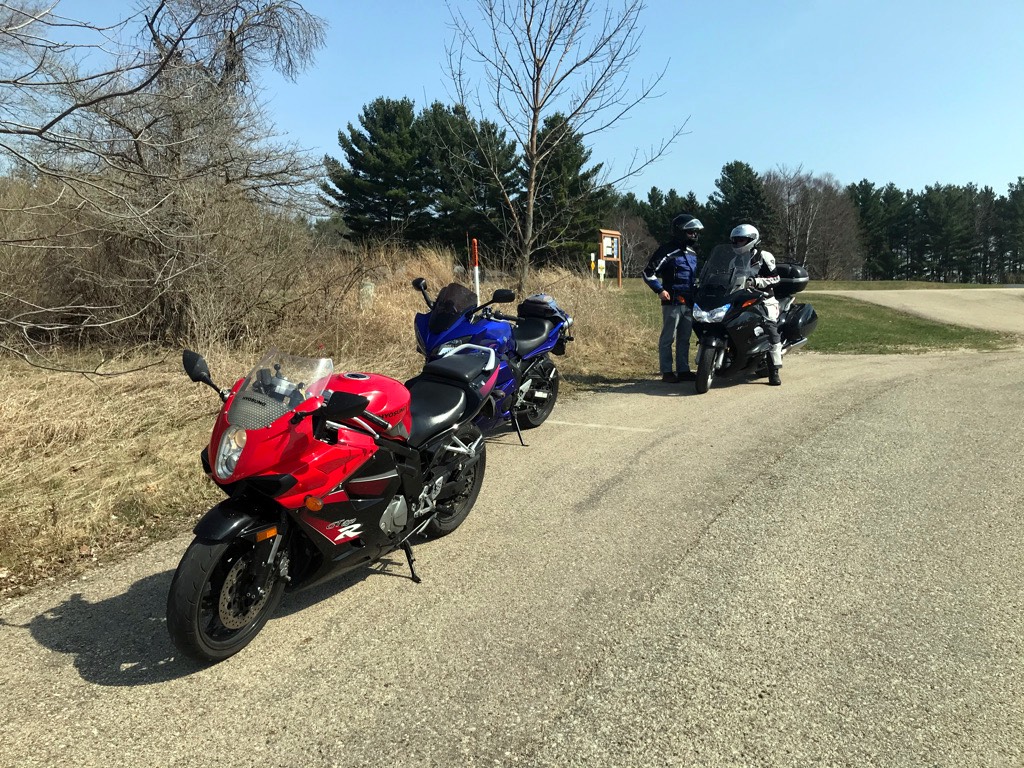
point(434, 406)
point(530, 333)
point(444, 393)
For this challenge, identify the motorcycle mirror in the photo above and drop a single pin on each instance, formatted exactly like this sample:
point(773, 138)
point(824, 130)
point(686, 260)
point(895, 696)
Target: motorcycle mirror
point(195, 366)
point(503, 296)
point(197, 370)
point(345, 405)
point(420, 284)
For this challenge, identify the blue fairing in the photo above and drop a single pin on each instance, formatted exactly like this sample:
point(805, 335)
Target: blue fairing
point(495, 334)
point(521, 343)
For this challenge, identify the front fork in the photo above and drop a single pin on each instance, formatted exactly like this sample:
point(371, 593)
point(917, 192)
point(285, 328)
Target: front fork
point(719, 352)
point(268, 541)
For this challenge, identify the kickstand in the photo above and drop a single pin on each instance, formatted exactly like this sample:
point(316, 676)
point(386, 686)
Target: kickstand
point(407, 547)
point(515, 423)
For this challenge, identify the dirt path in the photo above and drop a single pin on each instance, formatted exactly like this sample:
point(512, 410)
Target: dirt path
point(994, 309)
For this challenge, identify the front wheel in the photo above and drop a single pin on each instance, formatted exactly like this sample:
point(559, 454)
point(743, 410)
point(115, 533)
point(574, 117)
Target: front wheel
point(213, 610)
point(540, 398)
point(705, 369)
point(463, 485)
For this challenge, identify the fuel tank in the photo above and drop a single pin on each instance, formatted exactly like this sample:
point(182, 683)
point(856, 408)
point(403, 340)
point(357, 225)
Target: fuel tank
point(389, 399)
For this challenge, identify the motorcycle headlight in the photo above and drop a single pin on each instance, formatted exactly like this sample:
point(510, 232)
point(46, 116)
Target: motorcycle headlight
point(231, 444)
point(714, 316)
point(443, 349)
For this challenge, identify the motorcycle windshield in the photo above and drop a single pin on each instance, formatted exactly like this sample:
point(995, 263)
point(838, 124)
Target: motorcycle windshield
point(724, 273)
point(277, 384)
point(453, 301)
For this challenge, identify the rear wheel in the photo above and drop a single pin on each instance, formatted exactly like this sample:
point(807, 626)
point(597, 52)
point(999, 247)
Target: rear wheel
point(463, 486)
point(705, 369)
point(213, 611)
point(540, 399)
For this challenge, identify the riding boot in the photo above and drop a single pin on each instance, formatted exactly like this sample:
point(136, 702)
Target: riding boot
point(774, 364)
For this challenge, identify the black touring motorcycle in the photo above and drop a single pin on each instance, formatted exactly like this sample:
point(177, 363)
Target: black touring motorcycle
point(729, 323)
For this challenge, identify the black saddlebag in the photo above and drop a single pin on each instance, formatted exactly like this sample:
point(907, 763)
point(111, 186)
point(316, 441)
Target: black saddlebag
point(800, 322)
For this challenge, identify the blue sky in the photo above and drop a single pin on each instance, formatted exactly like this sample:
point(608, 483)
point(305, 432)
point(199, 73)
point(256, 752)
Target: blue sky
point(913, 92)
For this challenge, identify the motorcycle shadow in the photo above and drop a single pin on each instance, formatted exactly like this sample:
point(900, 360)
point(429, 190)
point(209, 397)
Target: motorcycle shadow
point(118, 641)
point(123, 640)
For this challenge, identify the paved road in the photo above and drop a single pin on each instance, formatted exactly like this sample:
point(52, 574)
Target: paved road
point(638, 587)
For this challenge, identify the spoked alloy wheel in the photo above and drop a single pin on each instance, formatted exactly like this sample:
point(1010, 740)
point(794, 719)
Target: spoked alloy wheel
point(211, 614)
point(467, 480)
point(705, 369)
point(540, 399)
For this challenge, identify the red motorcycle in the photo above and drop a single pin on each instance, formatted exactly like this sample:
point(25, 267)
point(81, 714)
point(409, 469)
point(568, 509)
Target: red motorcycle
point(324, 472)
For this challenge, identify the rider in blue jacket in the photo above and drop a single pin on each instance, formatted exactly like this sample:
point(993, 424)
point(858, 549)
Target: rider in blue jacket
point(670, 273)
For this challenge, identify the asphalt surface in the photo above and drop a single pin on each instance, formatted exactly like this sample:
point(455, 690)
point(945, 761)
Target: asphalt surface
point(822, 574)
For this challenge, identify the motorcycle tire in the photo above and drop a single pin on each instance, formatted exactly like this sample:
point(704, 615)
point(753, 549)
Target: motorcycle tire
point(208, 615)
point(705, 369)
point(454, 511)
point(535, 413)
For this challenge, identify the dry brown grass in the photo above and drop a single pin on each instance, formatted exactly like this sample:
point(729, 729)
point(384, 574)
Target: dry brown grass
point(98, 467)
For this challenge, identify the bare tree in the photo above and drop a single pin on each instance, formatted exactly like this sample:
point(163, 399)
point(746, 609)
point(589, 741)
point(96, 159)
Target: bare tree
point(819, 226)
point(541, 57)
point(636, 243)
point(140, 156)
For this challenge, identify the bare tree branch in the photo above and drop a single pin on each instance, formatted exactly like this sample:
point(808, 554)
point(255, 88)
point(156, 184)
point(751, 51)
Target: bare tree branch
point(134, 158)
point(539, 58)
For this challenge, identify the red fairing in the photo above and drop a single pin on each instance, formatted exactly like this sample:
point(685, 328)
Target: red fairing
point(389, 399)
point(318, 467)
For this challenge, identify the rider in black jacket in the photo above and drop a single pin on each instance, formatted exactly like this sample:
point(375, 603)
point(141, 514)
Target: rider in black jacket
point(670, 273)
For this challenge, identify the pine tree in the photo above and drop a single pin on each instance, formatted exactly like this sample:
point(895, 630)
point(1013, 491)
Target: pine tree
point(380, 188)
point(740, 198)
point(571, 202)
point(468, 164)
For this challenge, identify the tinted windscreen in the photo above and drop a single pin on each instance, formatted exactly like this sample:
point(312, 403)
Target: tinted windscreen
point(452, 301)
point(725, 272)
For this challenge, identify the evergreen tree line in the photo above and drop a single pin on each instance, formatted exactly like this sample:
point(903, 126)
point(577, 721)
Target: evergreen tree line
point(947, 233)
point(433, 177)
point(442, 177)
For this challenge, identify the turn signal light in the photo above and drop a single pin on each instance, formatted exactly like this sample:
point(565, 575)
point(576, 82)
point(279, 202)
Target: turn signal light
point(313, 504)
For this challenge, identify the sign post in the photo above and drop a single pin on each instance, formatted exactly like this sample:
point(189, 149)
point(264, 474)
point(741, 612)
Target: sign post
point(476, 269)
point(611, 248)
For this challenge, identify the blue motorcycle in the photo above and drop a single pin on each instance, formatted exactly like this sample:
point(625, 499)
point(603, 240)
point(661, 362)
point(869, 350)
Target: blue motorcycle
point(527, 386)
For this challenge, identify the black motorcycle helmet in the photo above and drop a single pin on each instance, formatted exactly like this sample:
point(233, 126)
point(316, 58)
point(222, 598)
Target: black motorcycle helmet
point(686, 228)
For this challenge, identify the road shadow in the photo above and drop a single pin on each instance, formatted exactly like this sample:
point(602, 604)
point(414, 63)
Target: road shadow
point(123, 640)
